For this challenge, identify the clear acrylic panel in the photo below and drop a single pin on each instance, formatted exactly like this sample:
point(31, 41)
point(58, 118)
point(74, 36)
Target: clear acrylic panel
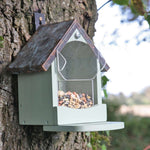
point(77, 70)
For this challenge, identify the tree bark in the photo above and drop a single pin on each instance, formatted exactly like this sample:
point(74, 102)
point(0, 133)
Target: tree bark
point(16, 27)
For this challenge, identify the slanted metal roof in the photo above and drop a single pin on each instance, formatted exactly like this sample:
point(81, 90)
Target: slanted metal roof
point(40, 51)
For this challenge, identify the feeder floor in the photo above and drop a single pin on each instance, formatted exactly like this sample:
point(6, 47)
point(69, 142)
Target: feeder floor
point(83, 127)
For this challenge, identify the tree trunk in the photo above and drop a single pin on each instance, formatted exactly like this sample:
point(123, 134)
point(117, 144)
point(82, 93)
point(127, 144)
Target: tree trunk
point(16, 27)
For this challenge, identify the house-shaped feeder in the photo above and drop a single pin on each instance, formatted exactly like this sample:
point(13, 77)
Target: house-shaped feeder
point(59, 80)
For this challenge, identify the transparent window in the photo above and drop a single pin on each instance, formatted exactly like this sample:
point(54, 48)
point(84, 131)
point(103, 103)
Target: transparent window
point(77, 70)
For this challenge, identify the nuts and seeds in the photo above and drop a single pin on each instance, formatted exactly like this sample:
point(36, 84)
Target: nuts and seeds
point(74, 100)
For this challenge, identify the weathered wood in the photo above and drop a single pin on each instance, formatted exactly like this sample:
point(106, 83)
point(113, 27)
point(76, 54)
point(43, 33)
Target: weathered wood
point(40, 51)
point(39, 47)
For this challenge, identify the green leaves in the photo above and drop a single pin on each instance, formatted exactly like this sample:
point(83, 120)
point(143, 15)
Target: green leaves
point(121, 2)
point(108, 133)
point(138, 7)
point(147, 17)
point(1, 42)
point(99, 140)
point(87, 134)
point(104, 147)
point(1, 38)
point(89, 145)
point(105, 93)
point(104, 81)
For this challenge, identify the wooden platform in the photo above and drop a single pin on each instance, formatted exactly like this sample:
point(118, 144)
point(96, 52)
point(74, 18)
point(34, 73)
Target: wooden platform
point(94, 126)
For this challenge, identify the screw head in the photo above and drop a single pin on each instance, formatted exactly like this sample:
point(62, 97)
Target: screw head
point(77, 35)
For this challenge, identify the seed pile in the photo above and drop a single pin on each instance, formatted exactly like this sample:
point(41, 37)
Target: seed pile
point(74, 100)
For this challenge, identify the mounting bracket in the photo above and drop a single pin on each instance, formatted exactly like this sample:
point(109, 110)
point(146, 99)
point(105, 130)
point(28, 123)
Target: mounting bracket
point(39, 19)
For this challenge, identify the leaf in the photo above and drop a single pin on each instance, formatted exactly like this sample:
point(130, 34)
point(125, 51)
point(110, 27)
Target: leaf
point(138, 6)
point(133, 10)
point(105, 93)
point(89, 145)
point(104, 147)
point(107, 132)
point(87, 134)
point(121, 2)
point(94, 148)
point(1, 44)
point(104, 80)
point(1, 38)
point(148, 19)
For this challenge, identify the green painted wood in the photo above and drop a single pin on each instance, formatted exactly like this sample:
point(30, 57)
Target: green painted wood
point(38, 99)
point(74, 37)
point(35, 99)
point(54, 84)
point(67, 115)
point(99, 85)
point(81, 63)
point(95, 126)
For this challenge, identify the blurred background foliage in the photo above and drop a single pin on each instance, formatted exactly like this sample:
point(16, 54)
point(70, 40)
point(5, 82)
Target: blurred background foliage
point(133, 11)
point(137, 7)
point(135, 135)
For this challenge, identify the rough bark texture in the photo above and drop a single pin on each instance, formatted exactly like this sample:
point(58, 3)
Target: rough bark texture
point(16, 27)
